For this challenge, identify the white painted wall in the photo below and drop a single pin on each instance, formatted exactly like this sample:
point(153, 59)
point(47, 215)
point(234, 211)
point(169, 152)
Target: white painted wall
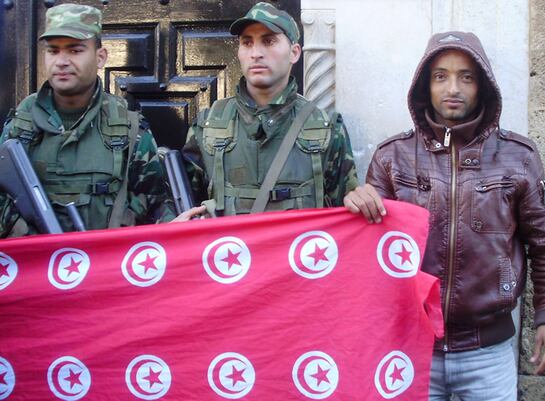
point(379, 44)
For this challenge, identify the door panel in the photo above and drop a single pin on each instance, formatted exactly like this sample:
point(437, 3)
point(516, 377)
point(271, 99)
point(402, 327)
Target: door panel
point(168, 58)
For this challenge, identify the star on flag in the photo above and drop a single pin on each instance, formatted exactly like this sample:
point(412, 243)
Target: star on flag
point(153, 377)
point(405, 255)
point(396, 374)
point(321, 375)
point(318, 254)
point(231, 259)
point(236, 376)
point(149, 263)
point(73, 267)
point(73, 378)
point(4, 270)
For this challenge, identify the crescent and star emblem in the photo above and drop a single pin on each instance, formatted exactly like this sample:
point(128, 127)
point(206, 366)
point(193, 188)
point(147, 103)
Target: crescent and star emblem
point(316, 375)
point(68, 378)
point(67, 268)
point(313, 254)
point(231, 375)
point(148, 377)
point(7, 378)
point(227, 260)
point(394, 374)
point(8, 270)
point(398, 254)
point(144, 264)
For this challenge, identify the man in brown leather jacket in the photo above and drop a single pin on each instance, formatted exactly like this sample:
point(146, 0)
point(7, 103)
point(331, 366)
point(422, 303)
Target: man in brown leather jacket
point(484, 189)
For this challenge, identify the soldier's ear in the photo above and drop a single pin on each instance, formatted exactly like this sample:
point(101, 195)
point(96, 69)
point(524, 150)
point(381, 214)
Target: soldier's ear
point(102, 56)
point(295, 53)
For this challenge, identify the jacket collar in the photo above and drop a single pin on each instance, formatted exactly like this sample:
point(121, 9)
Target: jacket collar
point(461, 134)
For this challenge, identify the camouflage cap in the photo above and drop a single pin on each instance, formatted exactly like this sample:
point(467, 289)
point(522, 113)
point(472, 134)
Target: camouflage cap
point(276, 20)
point(74, 21)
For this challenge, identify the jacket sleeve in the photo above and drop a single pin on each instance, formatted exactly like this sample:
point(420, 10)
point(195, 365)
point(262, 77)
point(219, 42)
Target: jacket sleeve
point(147, 193)
point(531, 226)
point(379, 176)
point(340, 176)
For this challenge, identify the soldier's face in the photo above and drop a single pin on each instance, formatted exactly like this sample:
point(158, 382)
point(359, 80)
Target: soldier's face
point(454, 87)
point(72, 65)
point(266, 57)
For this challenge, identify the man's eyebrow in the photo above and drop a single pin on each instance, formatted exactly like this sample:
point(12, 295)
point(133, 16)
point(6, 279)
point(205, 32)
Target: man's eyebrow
point(68, 46)
point(265, 35)
point(465, 70)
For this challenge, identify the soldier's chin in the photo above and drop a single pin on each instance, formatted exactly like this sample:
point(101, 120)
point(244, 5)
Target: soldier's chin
point(63, 91)
point(259, 82)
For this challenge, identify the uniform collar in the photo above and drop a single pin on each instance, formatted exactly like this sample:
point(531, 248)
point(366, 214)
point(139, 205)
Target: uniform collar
point(45, 114)
point(282, 98)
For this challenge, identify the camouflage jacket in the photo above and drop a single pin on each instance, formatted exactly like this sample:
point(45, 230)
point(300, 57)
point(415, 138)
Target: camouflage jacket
point(260, 127)
point(75, 164)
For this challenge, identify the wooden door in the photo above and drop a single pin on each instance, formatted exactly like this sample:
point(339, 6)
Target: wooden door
point(170, 58)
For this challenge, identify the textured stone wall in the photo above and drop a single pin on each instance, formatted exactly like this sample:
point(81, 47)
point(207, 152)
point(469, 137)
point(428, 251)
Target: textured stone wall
point(532, 388)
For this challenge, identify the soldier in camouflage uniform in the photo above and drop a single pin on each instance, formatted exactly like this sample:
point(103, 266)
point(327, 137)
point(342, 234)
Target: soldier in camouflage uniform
point(232, 145)
point(84, 144)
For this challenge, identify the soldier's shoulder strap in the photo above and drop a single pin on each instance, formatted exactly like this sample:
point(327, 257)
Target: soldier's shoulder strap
point(315, 135)
point(218, 126)
point(118, 208)
point(21, 119)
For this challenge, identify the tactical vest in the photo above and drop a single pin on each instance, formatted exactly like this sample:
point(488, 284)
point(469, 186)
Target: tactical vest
point(86, 165)
point(237, 164)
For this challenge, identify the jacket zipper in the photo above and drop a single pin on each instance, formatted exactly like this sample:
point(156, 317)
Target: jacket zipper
point(452, 231)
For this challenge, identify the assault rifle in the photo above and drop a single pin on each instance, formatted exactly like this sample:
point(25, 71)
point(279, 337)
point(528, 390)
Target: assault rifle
point(18, 179)
point(177, 178)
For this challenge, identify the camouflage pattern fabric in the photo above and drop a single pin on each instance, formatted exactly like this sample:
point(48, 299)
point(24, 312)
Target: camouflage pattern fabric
point(276, 20)
point(339, 170)
point(147, 196)
point(74, 21)
point(147, 193)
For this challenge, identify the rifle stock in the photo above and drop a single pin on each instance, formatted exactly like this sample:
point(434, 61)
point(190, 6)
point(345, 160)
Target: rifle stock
point(18, 179)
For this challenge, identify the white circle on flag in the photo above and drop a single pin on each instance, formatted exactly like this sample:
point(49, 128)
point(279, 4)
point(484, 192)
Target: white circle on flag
point(68, 378)
point(148, 377)
point(394, 374)
point(68, 267)
point(398, 254)
point(231, 375)
point(313, 254)
point(8, 270)
point(227, 260)
point(144, 264)
point(315, 375)
point(7, 378)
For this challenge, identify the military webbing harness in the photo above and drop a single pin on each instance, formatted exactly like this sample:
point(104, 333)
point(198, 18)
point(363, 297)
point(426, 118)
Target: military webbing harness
point(220, 136)
point(119, 131)
point(280, 159)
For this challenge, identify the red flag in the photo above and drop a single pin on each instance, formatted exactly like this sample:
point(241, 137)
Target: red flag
point(313, 304)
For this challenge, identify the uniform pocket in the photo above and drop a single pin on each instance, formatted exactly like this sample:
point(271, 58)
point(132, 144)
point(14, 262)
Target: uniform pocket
point(492, 206)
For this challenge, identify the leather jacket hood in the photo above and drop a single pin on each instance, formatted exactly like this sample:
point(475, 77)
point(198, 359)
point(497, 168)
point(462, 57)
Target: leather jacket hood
point(489, 92)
